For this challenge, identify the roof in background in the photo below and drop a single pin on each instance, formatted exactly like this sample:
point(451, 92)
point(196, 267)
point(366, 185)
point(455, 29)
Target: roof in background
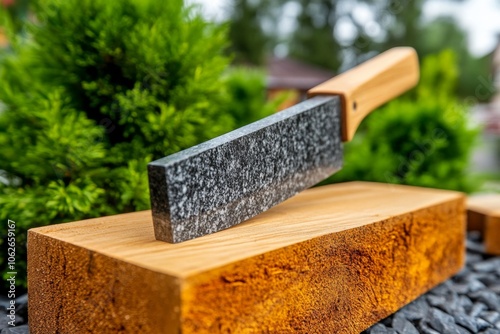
point(290, 73)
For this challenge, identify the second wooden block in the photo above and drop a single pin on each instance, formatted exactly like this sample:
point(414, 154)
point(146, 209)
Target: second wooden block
point(483, 214)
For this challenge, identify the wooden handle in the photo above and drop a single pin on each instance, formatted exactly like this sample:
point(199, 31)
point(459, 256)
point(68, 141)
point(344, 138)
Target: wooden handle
point(371, 84)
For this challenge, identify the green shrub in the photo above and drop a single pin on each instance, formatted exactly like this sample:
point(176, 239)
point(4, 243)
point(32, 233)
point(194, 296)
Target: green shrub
point(421, 139)
point(99, 89)
point(247, 88)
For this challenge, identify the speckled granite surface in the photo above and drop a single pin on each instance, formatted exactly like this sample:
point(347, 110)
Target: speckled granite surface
point(224, 181)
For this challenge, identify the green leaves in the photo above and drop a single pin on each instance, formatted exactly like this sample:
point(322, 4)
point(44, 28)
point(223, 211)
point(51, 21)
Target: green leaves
point(75, 199)
point(132, 185)
point(246, 89)
point(99, 89)
point(45, 139)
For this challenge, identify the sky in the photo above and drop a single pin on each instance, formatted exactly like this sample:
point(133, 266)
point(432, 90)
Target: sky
point(479, 18)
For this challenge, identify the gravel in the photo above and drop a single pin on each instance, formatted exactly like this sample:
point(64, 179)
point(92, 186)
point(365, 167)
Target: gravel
point(467, 303)
point(21, 321)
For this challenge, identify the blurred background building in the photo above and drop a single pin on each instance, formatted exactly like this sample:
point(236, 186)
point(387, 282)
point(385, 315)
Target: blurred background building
point(293, 77)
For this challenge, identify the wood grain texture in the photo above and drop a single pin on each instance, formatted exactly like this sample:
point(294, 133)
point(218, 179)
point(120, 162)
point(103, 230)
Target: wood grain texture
point(483, 214)
point(332, 259)
point(371, 84)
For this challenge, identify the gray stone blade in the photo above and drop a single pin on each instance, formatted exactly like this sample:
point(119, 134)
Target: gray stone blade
point(229, 179)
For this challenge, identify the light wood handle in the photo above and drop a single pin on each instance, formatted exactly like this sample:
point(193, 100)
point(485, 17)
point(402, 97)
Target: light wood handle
point(371, 84)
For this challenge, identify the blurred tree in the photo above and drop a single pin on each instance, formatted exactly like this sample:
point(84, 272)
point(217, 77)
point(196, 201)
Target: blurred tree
point(248, 41)
point(402, 20)
point(442, 32)
point(16, 12)
point(314, 37)
point(474, 78)
point(319, 35)
point(390, 23)
point(313, 40)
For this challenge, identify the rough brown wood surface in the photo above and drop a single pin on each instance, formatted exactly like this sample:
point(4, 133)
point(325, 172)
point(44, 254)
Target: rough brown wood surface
point(334, 259)
point(483, 214)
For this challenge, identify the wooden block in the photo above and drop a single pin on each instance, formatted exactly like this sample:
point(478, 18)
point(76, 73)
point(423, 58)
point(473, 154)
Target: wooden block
point(333, 259)
point(483, 214)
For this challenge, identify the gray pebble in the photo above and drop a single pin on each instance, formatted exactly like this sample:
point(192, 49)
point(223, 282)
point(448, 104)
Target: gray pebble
point(474, 247)
point(16, 330)
point(416, 310)
point(489, 266)
point(482, 324)
point(490, 316)
point(424, 328)
point(4, 303)
point(22, 300)
point(482, 275)
point(477, 308)
point(461, 288)
point(466, 322)
point(487, 297)
point(436, 301)
point(476, 285)
point(489, 280)
point(4, 322)
point(465, 303)
point(442, 322)
point(462, 276)
point(441, 289)
point(491, 331)
point(403, 326)
point(463, 330)
point(473, 258)
point(379, 329)
point(387, 322)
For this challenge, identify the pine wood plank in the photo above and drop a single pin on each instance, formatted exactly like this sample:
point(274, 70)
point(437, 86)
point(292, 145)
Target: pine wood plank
point(332, 259)
point(483, 214)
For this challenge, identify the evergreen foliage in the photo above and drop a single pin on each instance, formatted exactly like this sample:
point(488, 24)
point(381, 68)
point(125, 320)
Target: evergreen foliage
point(99, 89)
point(313, 41)
point(249, 42)
point(248, 101)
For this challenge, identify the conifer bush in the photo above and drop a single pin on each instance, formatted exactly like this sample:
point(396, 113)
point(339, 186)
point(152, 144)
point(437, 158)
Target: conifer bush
point(247, 89)
point(96, 91)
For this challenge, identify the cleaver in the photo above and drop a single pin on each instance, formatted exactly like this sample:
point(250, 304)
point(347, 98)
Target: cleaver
point(229, 179)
